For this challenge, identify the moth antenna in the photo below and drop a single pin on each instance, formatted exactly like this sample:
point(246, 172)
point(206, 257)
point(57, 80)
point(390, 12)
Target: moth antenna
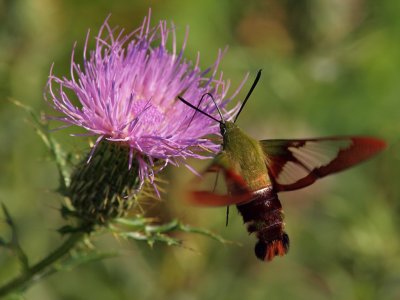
point(196, 109)
point(248, 94)
point(216, 105)
point(203, 112)
point(198, 105)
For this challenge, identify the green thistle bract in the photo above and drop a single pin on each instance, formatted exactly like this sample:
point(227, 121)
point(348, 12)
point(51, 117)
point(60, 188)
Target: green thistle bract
point(105, 188)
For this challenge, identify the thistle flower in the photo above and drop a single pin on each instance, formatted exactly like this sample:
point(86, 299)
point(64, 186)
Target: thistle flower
point(125, 92)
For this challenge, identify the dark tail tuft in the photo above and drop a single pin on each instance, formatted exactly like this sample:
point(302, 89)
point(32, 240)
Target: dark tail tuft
point(268, 250)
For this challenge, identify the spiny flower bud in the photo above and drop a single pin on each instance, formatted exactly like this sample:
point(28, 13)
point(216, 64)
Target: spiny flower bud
point(104, 188)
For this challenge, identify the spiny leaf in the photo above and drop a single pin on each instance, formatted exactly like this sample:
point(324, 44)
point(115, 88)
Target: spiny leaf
point(170, 241)
point(14, 244)
point(6, 213)
point(167, 227)
point(134, 235)
point(61, 158)
point(151, 239)
point(133, 222)
point(143, 229)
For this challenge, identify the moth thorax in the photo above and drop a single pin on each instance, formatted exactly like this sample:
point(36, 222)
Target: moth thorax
point(264, 217)
point(105, 187)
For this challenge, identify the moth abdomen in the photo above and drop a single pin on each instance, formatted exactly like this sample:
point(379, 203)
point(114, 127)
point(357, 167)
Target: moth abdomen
point(264, 217)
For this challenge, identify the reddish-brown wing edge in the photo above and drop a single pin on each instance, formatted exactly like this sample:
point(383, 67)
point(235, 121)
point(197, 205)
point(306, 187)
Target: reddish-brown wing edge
point(278, 154)
point(206, 198)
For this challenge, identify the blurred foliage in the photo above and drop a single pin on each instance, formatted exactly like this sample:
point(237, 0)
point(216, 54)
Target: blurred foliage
point(330, 67)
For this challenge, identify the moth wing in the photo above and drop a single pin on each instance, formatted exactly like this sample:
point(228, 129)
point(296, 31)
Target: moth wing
point(221, 164)
point(294, 164)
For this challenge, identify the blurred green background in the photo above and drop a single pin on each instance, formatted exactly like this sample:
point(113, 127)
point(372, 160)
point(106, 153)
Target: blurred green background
point(329, 67)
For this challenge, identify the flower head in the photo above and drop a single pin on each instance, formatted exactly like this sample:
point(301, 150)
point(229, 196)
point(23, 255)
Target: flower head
point(126, 89)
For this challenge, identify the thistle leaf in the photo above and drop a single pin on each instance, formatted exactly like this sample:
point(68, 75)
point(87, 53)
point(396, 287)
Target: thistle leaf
point(132, 222)
point(205, 232)
point(152, 238)
point(144, 229)
point(14, 244)
point(61, 158)
point(167, 227)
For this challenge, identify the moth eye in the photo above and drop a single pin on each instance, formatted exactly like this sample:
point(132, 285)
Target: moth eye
point(222, 129)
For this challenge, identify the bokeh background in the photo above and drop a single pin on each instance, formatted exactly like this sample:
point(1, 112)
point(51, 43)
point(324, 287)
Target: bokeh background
point(329, 67)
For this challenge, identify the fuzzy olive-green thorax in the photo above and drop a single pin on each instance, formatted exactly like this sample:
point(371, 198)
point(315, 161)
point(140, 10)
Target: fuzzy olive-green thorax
point(245, 157)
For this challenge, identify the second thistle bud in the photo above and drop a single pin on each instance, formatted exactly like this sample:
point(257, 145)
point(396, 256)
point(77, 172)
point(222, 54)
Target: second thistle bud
point(104, 188)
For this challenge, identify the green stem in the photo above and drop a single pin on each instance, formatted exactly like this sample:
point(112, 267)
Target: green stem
point(21, 281)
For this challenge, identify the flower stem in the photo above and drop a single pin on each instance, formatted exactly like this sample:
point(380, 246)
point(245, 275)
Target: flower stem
point(23, 280)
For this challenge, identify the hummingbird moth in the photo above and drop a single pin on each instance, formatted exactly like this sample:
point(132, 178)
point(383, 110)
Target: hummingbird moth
point(256, 171)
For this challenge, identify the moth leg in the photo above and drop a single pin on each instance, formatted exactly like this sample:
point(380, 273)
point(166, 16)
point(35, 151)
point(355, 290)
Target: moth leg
point(227, 216)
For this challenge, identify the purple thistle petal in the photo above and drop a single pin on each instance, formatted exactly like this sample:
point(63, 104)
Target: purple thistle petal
point(127, 88)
